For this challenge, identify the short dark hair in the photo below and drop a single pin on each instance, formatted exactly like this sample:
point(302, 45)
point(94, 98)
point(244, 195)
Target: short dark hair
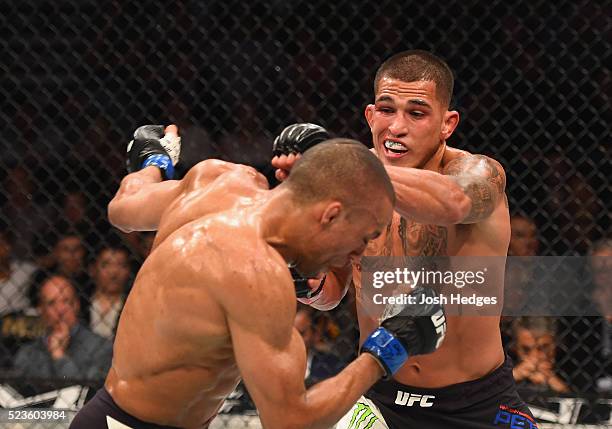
point(536, 324)
point(341, 169)
point(601, 244)
point(416, 65)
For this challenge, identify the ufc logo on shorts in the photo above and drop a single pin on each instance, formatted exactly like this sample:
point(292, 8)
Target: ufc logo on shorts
point(439, 321)
point(409, 399)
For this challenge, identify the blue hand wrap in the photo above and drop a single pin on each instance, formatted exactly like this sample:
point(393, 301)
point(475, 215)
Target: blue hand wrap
point(163, 162)
point(387, 349)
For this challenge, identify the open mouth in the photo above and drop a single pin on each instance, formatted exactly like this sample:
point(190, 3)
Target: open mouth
point(394, 149)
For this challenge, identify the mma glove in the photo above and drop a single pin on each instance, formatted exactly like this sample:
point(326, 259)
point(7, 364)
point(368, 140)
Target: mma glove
point(406, 331)
point(151, 147)
point(297, 138)
point(302, 290)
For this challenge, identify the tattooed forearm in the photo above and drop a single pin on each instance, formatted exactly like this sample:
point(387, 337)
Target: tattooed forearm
point(483, 181)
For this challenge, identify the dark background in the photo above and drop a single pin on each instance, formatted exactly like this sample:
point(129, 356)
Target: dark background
point(532, 87)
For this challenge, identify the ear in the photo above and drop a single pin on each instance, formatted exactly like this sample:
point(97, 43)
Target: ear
point(369, 114)
point(451, 120)
point(331, 212)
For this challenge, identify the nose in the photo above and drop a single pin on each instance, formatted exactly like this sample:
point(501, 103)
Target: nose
point(398, 126)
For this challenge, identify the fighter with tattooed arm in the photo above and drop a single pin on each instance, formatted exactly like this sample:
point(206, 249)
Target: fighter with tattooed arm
point(449, 203)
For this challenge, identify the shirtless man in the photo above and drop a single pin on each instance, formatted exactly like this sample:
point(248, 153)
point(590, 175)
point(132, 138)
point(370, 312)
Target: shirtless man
point(449, 202)
point(215, 301)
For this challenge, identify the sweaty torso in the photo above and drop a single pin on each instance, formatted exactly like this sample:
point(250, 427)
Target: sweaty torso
point(173, 360)
point(472, 346)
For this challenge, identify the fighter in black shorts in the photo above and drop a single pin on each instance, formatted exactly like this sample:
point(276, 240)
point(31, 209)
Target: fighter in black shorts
point(449, 203)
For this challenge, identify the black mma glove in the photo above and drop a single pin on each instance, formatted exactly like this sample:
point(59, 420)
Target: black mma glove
point(297, 138)
point(151, 147)
point(302, 290)
point(407, 330)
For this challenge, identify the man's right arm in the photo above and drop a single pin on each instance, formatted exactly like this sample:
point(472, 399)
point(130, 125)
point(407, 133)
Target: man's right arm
point(143, 195)
point(141, 200)
point(271, 357)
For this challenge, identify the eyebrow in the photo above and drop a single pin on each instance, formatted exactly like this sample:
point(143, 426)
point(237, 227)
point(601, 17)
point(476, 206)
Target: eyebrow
point(417, 101)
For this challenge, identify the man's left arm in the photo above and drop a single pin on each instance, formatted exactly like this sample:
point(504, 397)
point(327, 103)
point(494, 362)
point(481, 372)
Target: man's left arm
point(467, 191)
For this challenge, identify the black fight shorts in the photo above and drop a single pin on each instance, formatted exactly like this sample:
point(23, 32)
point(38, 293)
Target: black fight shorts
point(101, 412)
point(491, 402)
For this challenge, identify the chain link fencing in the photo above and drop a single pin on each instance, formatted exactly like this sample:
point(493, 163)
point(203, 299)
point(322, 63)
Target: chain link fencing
point(532, 88)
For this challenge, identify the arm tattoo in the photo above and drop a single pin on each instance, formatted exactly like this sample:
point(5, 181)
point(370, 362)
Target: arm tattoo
point(483, 180)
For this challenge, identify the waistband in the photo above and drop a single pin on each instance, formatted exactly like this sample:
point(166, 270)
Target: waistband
point(497, 381)
point(124, 417)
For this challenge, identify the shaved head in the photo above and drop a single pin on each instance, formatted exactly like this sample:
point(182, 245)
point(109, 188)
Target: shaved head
point(339, 169)
point(416, 65)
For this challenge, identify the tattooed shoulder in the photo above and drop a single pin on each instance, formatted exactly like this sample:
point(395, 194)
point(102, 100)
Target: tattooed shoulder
point(482, 179)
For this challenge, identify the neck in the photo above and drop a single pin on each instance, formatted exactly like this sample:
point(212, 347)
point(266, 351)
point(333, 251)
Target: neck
point(435, 162)
point(276, 213)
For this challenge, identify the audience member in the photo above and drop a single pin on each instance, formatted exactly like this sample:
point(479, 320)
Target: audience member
point(67, 259)
point(25, 216)
point(524, 236)
point(68, 350)
point(520, 267)
point(320, 364)
point(600, 261)
point(15, 276)
point(535, 348)
point(110, 273)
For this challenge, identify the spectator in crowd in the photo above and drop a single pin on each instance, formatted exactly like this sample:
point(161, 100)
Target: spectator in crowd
point(73, 214)
point(67, 259)
point(24, 215)
point(68, 350)
point(110, 273)
point(15, 276)
point(18, 321)
point(524, 236)
point(520, 271)
point(535, 348)
point(600, 262)
point(320, 364)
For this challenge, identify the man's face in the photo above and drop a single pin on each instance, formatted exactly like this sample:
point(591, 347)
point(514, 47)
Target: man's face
point(408, 122)
point(69, 254)
point(523, 239)
point(111, 271)
point(345, 238)
point(58, 303)
point(539, 347)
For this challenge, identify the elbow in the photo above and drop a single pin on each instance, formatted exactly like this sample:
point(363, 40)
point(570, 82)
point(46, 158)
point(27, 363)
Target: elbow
point(459, 206)
point(114, 216)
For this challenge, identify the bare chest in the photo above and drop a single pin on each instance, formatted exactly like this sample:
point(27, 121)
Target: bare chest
point(404, 237)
